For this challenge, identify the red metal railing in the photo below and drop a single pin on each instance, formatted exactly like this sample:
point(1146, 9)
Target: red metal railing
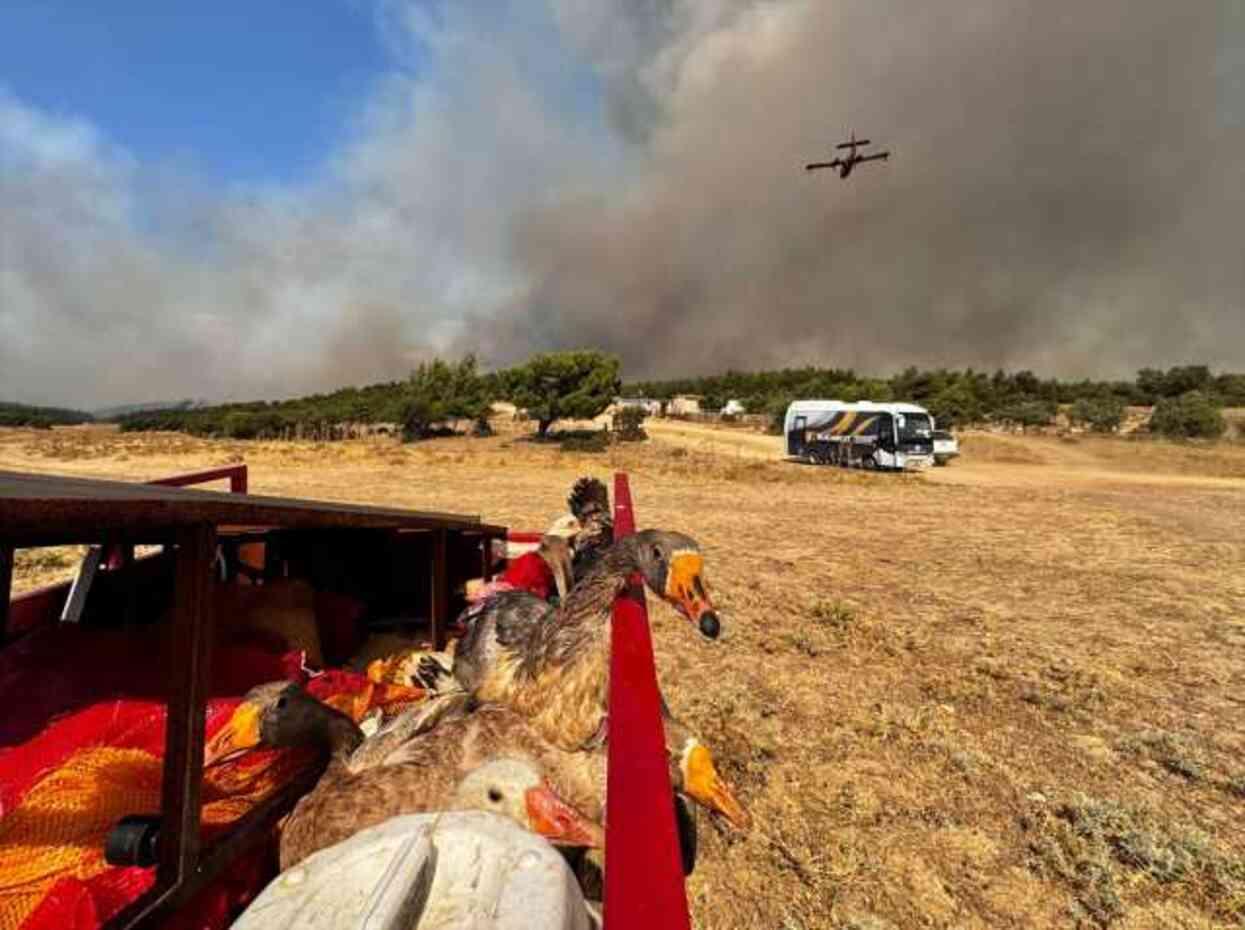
point(644, 888)
point(235, 473)
point(41, 605)
point(522, 536)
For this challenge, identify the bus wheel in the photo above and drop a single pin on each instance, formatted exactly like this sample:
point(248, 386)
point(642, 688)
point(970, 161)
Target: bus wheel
point(869, 463)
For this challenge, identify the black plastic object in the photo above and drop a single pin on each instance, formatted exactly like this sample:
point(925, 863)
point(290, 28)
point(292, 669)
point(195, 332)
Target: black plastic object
point(710, 626)
point(133, 841)
point(685, 820)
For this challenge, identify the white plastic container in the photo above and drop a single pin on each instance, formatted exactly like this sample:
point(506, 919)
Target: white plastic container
point(452, 871)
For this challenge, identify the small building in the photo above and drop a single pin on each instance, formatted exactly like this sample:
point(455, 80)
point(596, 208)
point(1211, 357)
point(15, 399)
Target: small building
point(651, 407)
point(684, 405)
point(734, 408)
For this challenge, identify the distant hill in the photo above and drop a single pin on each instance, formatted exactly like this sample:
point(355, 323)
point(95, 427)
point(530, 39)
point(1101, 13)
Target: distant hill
point(41, 417)
point(121, 410)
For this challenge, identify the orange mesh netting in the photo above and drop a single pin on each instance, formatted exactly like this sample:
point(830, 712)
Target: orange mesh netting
point(59, 828)
point(63, 788)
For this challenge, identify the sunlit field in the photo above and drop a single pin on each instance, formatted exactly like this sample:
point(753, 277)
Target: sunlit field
point(1007, 693)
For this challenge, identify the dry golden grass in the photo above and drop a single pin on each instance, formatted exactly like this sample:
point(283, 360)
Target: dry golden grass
point(1008, 693)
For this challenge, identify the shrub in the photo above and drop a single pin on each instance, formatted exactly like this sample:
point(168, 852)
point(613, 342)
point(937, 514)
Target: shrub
point(1192, 415)
point(240, 426)
point(1027, 413)
point(955, 405)
point(595, 441)
point(1101, 414)
point(776, 408)
point(629, 425)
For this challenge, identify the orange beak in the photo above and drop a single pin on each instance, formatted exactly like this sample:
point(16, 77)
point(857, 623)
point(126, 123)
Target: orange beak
point(239, 734)
point(558, 822)
point(703, 784)
point(685, 589)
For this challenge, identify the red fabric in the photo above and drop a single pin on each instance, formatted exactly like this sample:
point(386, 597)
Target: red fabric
point(66, 689)
point(62, 669)
point(530, 572)
point(336, 681)
point(74, 904)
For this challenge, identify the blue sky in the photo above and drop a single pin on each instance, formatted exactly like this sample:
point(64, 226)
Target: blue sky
point(238, 91)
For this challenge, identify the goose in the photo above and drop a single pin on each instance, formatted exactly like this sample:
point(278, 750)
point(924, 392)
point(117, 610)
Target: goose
point(589, 503)
point(367, 781)
point(552, 663)
point(578, 774)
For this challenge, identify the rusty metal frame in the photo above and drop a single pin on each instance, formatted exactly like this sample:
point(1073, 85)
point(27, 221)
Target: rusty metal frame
point(184, 868)
point(190, 665)
point(6, 588)
point(237, 475)
point(439, 609)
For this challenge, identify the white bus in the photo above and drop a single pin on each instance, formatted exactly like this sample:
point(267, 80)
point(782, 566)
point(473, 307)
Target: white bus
point(860, 435)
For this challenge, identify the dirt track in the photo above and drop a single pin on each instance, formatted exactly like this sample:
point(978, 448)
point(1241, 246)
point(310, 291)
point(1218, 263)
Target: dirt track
point(987, 459)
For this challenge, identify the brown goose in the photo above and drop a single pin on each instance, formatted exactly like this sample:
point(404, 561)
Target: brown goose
point(580, 776)
point(369, 781)
point(551, 664)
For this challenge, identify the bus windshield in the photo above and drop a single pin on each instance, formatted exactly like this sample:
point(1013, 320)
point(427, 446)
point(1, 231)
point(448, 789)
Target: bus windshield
point(914, 426)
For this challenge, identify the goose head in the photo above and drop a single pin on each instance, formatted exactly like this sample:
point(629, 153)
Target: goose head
point(692, 772)
point(515, 788)
point(281, 715)
point(673, 567)
point(556, 553)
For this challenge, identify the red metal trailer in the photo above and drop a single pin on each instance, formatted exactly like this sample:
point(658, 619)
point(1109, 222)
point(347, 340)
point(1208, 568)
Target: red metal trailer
point(423, 561)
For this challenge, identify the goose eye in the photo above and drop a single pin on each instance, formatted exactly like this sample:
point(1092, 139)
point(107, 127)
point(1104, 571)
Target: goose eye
point(494, 795)
point(658, 554)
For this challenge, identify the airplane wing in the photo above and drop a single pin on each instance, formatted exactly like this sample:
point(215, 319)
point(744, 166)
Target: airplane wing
point(821, 164)
point(874, 157)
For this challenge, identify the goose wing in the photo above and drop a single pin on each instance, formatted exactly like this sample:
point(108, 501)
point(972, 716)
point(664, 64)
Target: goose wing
point(508, 622)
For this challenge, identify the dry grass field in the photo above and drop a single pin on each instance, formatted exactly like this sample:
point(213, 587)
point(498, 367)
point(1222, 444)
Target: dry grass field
point(1008, 693)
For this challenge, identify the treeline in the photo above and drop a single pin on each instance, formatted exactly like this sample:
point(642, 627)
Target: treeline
point(437, 395)
point(964, 397)
point(40, 417)
point(440, 395)
point(315, 415)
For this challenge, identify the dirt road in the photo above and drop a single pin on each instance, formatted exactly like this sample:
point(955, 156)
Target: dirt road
point(1008, 461)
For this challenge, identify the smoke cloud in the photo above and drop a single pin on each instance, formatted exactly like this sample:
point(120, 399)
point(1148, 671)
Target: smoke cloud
point(1066, 193)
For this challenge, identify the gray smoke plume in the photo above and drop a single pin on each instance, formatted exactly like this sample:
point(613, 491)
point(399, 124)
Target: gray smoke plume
point(1066, 193)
